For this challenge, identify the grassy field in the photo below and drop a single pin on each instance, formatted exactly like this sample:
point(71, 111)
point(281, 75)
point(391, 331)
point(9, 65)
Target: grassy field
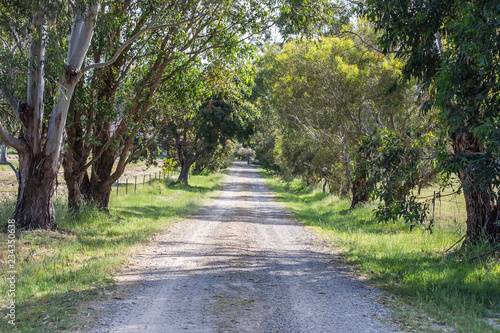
point(430, 290)
point(60, 272)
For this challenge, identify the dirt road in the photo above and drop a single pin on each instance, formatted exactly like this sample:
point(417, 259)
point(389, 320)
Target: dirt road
point(242, 264)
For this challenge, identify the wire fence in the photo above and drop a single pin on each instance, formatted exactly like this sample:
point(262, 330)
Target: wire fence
point(124, 186)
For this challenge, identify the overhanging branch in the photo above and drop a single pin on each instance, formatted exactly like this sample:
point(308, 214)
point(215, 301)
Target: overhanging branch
point(15, 143)
point(150, 27)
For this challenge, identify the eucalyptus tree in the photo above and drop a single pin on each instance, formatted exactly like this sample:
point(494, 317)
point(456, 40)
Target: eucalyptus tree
point(108, 134)
point(336, 91)
point(32, 53)
point(205, 109)
point(108, 128)
point(452, 48)
point(43, 58)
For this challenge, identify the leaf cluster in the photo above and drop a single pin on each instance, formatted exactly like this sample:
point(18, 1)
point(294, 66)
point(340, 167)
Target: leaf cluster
point(398, 165)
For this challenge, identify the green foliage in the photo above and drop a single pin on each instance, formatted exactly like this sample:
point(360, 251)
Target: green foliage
point(398, 166)
point(203, 110)
point(221, 158)
point(169, 165)
point(241, 152)
point(452, 48)
point(317, 99)
point(311, 17)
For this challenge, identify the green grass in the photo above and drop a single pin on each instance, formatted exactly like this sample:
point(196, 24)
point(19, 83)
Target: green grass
point(433, 289)
point(60, 271)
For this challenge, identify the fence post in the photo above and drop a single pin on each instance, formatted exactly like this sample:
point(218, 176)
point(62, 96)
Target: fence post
point(117, 184)
point(126, 185)
point(150, 178)
point(135, 184)
point(143, 179)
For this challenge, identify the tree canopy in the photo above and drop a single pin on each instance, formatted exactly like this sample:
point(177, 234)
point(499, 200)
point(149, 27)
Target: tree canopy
point(326, 95)
point(453, 49)
point(49, 49)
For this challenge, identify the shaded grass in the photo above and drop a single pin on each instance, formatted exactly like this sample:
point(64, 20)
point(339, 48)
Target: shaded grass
point(58, 270)
point(434, 288)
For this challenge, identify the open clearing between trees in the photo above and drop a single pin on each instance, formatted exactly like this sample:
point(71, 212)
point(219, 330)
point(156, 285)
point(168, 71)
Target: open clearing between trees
point(241, 264)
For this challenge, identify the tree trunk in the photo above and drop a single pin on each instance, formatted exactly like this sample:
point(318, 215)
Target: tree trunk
point(183, 176)
point(99, 195)
point(3, 154)
point(75, 161)
point(37, 180)
point(75, 197)
point(40, 147)
point(359, 191)
point(98, 191)
point(483, 214)
point(359, 186)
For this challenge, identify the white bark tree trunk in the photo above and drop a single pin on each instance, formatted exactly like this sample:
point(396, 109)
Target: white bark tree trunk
point(39, 155)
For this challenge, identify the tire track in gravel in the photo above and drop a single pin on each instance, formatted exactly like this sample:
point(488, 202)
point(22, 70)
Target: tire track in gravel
point(241, 264)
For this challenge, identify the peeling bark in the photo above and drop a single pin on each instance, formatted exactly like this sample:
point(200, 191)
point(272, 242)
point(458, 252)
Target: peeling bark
point(100, 184)
point(360, 192)
point(183, 176)
point(37, 180)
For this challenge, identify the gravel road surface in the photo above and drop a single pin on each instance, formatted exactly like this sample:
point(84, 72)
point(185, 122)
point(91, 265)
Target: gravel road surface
point(241, 264)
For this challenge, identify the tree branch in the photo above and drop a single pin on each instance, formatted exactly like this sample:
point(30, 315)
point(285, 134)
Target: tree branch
point(7, 112)
point(137, 35)
point(15, 143)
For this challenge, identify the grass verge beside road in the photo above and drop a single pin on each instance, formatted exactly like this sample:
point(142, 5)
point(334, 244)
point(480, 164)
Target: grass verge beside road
point(57, 272)
point(434, 291)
